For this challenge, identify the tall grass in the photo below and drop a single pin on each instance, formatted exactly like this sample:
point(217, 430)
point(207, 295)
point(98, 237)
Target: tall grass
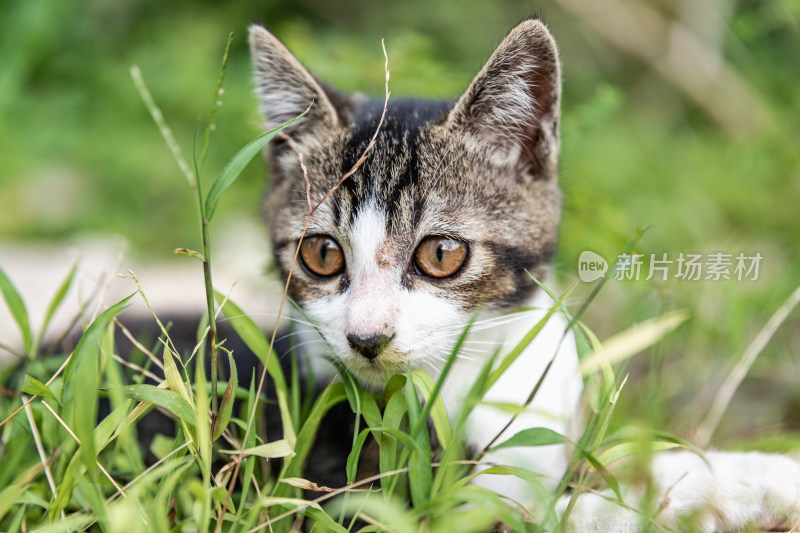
point(64, 468)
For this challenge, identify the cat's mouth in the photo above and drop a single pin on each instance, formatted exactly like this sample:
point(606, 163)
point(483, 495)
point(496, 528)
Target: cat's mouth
point(385, 364)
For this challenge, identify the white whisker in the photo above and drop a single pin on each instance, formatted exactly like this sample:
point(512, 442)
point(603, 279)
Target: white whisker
point(312, 342)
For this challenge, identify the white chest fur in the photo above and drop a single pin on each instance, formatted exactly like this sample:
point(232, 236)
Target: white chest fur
point(554, 406)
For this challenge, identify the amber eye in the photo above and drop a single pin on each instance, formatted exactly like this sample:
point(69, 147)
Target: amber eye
point(439, 257)
point(321, 255)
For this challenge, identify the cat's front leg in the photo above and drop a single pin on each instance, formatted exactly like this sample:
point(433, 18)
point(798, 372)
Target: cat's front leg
point(722, 492)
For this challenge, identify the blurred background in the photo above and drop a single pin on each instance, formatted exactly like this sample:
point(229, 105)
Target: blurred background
point(681, 116)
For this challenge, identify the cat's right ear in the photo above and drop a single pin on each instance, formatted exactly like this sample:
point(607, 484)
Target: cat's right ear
point(512, 106)
point(285, 88)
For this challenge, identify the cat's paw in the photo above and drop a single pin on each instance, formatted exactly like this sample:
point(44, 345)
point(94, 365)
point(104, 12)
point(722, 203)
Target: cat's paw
point(723, 492)
point(728, 491)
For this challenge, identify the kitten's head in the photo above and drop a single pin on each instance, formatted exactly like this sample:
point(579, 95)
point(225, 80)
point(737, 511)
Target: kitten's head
point(455, 204)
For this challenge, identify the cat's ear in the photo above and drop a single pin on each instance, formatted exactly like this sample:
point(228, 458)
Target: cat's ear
point(512, 105)
point(285, 88)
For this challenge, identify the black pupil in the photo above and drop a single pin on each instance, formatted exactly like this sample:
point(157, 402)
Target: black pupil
point(323, 251)
point(439, 253)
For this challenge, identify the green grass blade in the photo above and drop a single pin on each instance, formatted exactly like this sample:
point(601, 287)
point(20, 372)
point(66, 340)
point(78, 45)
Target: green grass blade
point(215, 103)
point(584, 337)
point(625, 449)
point(527, 339)
point(434, 393)
point(65, 489)
point(534, 479)
point(18, 310)
point(482, 505)
point(226, 406)
point(80, 375)
point(111, 426)
point(350, 386)
point(173, 376)
point(16, 522)
point(441, 421)
point(405, 438)
point(202, 405)
point(71, 523)
point(169, 400)
point(322, 518)
point(392, 513)
point(332, 395)
point(278, 448)
point(249, 462)
point(355, 453)
point(369, 408)
point(9, 494)
point(609, 478)
point(163, 127)
point(91, 491)
point(102, 435)
point(591, 429)
point(633, 340)
point(235, 167)
point(286, 416)
point(420, 421)
point(476, 392)
point(253, 337)
point(393, 416)
point(532, 437)
point(420, 471)
point(35, 387)
point(294, 380)
point(93, 335)
point(55, 303)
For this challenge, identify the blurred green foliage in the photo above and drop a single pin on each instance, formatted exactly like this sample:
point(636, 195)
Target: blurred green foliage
point(80, 153)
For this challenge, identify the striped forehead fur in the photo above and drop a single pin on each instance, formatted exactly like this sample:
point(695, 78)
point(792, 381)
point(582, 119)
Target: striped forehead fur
point(480, 169)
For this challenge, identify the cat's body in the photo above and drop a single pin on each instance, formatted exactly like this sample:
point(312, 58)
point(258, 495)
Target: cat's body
point(454, 210)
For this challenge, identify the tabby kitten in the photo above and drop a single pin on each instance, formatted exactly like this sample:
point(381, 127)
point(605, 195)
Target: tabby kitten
point(454, 210)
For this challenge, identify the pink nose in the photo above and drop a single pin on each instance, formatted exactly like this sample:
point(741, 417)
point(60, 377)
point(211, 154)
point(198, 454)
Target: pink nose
point(368, 345)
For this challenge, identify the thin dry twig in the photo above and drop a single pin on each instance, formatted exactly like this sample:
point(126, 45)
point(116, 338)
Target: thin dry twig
point(158, 118)
point(371, 142)
point(40, 448)
point(130, 483)
point(107, 285)
point(311, 212)
point(328, 496)
point(76, 439)
point(171, 346)
point(310, 485)
point(712, 419)
point(12, 351)
point(149, 469)
point(134, 366)
point(29, 400)
point(139, 345)
point(356, 484)
point(78, 314)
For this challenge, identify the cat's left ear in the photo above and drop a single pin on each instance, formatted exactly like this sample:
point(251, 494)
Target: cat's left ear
point(512, 106)
point(286, 89)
